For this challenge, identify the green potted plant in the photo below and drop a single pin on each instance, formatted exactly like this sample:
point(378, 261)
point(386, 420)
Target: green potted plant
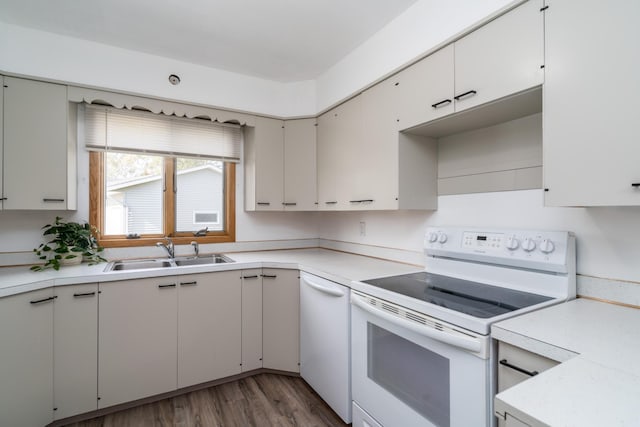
point(71, 243)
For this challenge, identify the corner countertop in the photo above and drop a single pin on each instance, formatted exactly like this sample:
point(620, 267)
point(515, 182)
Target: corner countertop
point(337, 266)
point(598, 383)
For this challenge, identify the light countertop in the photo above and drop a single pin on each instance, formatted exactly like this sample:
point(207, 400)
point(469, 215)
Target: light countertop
point(598, 383)
point(337, 266)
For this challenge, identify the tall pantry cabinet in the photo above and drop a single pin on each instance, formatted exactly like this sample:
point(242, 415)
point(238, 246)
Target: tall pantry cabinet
point(591, 102)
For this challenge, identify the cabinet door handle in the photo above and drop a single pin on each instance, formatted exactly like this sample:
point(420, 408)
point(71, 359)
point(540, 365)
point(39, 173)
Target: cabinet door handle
point(263, 203)
point(504, 362)
point(43, 300)
point(193, 283)
point(172, 285)
point(84, 294)
point(441, 103)
point(47, 200)
point(361, 201)
point(330, 203)
point(463, 95)
point(289, 203)
point(3, 198)
point(269, 276)
point(250, 277)
point(633, 184)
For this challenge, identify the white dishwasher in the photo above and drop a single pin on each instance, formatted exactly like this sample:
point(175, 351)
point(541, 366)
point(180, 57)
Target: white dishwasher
point(325, 335)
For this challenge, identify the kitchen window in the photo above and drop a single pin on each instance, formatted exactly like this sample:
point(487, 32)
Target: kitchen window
point(153, 176)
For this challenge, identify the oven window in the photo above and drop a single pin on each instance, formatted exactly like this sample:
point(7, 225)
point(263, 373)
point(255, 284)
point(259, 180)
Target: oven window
point(413, 374)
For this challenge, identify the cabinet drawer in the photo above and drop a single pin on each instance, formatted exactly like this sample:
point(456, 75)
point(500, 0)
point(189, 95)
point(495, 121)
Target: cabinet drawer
point(510, 358)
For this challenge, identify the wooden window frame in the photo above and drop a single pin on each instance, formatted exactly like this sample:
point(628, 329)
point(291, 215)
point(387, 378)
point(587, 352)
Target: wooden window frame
point(96, 209)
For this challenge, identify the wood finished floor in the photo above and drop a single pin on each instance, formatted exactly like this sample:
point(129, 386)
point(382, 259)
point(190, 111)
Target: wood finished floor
point(261, 400)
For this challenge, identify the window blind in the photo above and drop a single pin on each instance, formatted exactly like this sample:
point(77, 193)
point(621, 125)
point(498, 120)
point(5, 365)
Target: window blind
point(113, 129)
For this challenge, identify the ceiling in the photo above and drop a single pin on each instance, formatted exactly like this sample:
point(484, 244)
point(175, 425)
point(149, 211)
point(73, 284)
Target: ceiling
point(282, 40)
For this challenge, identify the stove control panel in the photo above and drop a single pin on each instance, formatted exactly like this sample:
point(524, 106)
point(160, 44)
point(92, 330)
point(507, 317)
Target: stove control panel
point(544, 250)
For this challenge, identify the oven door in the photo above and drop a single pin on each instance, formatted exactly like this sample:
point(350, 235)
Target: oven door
point(409, 369)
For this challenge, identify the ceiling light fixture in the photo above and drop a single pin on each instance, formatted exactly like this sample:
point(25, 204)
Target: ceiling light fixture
point(174, 79)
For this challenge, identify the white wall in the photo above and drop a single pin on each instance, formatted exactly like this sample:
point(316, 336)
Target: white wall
point(608, 239)
point(51, 56)
point(425, 24)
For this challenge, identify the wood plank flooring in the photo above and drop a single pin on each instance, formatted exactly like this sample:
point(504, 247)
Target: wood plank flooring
point(260, 400)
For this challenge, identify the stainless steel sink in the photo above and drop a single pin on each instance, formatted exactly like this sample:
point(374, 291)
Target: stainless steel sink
point(212, 259)
point(140, 264)
point(144, 264)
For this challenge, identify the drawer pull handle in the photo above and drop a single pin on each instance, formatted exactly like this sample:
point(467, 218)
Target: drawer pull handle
point(188, 283)
point(330, 203)
point(441, 103)
point(3, 198)
point(519, 369)
point(289, 203)
point(263, 203)
point(84, 294)
point(46, 200)
point(40, 301)
point(634, 185)
point(464, 95)
point(269, 276)
point(172, 285)
point(250, 277)
point(361, 201)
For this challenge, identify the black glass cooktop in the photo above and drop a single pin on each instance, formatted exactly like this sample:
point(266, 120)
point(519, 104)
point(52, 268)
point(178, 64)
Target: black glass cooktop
point(472, 298)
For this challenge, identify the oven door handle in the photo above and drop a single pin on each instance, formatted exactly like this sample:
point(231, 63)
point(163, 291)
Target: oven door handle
point(318, 287)
point(456, 341)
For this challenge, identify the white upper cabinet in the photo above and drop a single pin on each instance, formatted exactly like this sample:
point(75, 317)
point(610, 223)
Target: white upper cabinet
point(501, 58)
point(591, 139)
point(300, 165)
point(39, 156)
point(425, 90)
point(1, 138)
point(264, 165)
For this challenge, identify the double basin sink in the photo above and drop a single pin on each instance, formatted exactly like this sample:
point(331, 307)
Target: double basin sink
point(144, 264)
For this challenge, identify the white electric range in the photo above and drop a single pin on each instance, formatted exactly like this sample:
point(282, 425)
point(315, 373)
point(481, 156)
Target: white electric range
point(421, 350)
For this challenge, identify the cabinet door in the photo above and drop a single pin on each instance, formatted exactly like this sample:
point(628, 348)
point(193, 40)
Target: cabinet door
point(501, 58)
point(26, 359)
point(374, 181)
point(281, 319)
point(591, 102)
point(425, 90)
point(251, 319)
point(209, 321)
point(75, 349)
point(137, 344)
point(300, 165)
point(328, 160)
point(35, 145)
point(1, 139)
point(265, 156)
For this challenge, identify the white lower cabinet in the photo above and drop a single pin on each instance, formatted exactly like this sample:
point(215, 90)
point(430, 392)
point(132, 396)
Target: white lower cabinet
point(75, 350)
point(209, 321)
point(137, 351)
point(26, 359)
point(251, 319)
point(281, 319)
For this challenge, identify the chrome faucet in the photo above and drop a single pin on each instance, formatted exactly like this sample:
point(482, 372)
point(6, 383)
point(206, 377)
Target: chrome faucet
point(169, 247)
point(195, 248)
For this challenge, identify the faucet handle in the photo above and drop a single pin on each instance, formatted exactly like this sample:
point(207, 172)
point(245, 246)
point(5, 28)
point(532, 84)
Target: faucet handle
point(195, 247)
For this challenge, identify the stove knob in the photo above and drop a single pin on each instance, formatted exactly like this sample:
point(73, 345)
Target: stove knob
point(433, 237)
point(528, 244)
point(442, 238)
point(547, 246)
point(512, 242)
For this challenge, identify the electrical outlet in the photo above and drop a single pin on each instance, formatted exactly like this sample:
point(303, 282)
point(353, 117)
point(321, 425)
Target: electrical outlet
point(363, 228)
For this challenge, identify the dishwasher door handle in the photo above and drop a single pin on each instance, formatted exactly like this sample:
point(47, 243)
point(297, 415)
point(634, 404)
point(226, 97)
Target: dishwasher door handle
point(324, 289)
point(447, 338)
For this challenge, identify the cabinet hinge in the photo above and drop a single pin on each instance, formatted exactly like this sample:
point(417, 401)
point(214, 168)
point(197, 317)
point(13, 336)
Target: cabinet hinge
point(542, 9)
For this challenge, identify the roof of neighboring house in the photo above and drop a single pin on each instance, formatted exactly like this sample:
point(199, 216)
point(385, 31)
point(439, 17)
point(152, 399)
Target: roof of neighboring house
point(150, 178)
